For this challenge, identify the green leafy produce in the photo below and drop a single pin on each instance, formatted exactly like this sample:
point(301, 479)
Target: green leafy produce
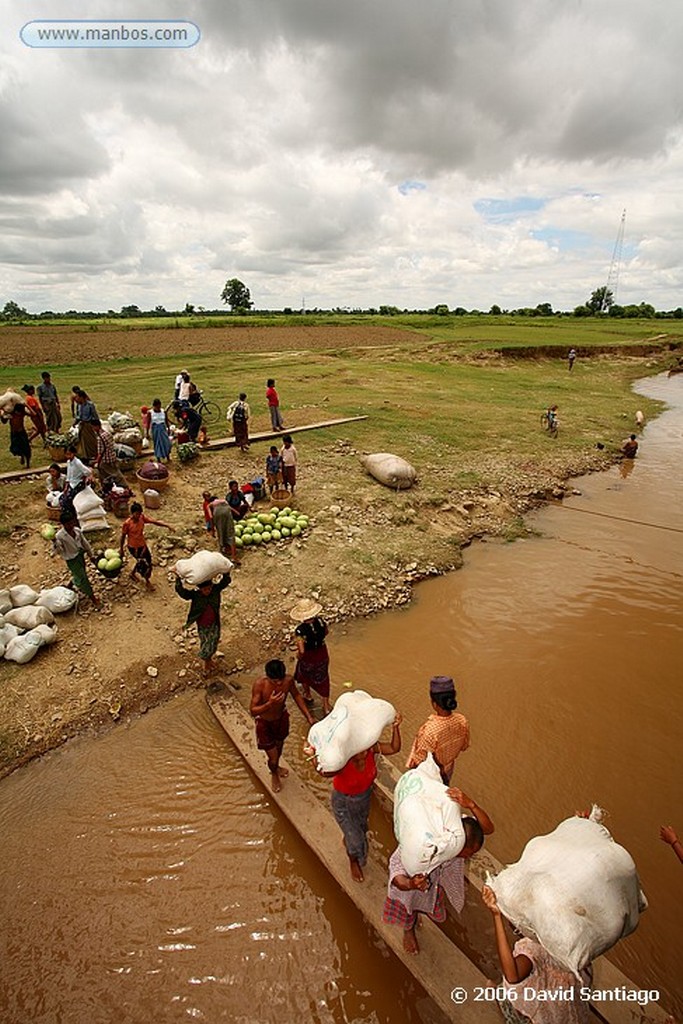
point(188, 451)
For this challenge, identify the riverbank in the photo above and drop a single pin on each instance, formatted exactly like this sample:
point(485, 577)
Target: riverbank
point(482, 465)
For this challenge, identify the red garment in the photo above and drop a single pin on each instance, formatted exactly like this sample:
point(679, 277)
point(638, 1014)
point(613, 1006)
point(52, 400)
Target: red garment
point(351, 782)
point(271, 395)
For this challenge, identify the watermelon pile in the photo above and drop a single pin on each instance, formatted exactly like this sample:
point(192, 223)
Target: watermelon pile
point(259, 528)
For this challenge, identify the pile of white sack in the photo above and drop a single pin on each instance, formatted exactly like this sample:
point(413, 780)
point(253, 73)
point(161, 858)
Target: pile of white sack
point(90, 511)
point(124, 429)
point(575, 891)
point(427, 822)
point(27, 619)
point(355, 724)
point(202, 567)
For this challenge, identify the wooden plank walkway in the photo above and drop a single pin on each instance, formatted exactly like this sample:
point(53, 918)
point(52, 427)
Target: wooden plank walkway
point(218, 444)
point(440, 966)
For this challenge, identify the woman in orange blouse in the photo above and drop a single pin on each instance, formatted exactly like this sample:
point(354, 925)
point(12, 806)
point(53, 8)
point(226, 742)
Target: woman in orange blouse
point(445, 734)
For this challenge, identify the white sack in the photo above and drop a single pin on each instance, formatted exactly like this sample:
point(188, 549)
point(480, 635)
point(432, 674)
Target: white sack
point(57, 599)
point(96, 523)
point(85, 501)
point(390, 470)
point(24, 647)
point(355, 723)
point(30, 616)
point(8, 632)
point(131, 436)
point(8, 400)
point(575, 891)
point(47, 634)
point(52, 499)
point(427, 823)
point(120, 421)
point(202, 567)
point(5, 601)
point(21, 595)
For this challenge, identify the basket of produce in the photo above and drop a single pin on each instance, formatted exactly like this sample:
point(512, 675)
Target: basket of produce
point(188, 450)
point(280, 497)
point(153, 474)
point(57, 444)
point(109, 563)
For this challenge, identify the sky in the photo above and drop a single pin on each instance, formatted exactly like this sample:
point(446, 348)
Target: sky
point(345, 153)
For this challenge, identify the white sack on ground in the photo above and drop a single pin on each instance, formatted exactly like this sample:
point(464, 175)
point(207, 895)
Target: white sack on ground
point(22, 648)
point(201, 567)
point(427, 823)
point(57, 599)
point(575, 891)
point(390, 470)
point(85, 501)
point(21, 595)
point(355, 724)
point(47, 634)
point(8, 632)
point(29, 617)
point(5, 601)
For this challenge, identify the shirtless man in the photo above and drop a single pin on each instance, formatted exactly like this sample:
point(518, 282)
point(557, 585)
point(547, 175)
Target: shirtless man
point(268, 697)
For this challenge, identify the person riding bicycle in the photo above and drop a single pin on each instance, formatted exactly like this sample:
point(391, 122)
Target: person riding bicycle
point(550, 418)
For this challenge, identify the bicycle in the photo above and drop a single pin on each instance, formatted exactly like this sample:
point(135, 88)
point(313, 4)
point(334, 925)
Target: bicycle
point(210, 412)
point(550, 422)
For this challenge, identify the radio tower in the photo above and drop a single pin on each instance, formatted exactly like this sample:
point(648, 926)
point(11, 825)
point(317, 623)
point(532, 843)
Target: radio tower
point(615, 266)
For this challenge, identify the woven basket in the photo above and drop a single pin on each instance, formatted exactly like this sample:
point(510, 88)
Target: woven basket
point(281, 497)
point(57, 454)
point(158, 485)
point(54, 512)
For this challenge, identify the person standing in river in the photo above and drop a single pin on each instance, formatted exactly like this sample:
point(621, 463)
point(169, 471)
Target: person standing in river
point(268, 698)
point(445, 734)
point(313, 660)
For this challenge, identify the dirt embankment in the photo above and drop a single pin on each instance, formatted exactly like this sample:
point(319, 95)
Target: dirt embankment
point(362, 555)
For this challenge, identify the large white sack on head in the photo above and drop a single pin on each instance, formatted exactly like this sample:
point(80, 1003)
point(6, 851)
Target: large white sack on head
point(575, 891)
point(21, 595)
point(8, 400)
point(8, 632)
point(201, 567)
point(427, 823)
point(57, 599)
point(5, 601)
point(355, 723)
point(22, 648)
point(390, 470)
point(85, 501)
point(30, 616)
point(47, 634)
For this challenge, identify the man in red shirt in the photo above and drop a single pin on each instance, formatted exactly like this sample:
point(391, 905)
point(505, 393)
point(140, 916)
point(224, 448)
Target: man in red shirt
point(274, 405)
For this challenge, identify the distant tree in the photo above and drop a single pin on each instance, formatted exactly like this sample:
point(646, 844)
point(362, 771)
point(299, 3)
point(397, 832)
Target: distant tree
point(495, 310)
point(678, 313)
point(189, 309)
point(131, 310)
point(389, 311)
point(544, 309)
point(236, 295)
point(601, 300)
point(615, 310)
point(646, 309)
point(582, 310)
point(13, 311)
point(160, 311)
point(459, 311)
point(441, 309)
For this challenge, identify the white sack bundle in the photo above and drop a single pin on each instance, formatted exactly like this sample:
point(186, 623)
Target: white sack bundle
point(130, 437)
point(8, 632)
point(355, 723)
point(5, 601)
point(52, 499)
point(48, 634)
point(98, 522)
point(57, 599)
point(575, 891)
point(427, 823)
point(86, 501)
point(8, 400)
point(390, 470)
point(120, 421)
point(30, 616)
point(22, 648)
point(202, 567)
point(21, 595)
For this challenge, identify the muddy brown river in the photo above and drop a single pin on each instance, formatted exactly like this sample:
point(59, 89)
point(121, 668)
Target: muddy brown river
point(147, 877)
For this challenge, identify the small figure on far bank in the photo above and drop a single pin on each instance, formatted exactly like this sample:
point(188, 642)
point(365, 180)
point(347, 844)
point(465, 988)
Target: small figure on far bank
point(273, 469)
point(49, 400)
point(268, 698)
point(133, 530)
point(640, 419)
point(205, 611)
point(19, 443)
point(445, 734)
point(289, 457)
point(528, 962)
point(71, 545)
point(161, 438)
point(668, 836)
point(238, 414)
point(550, 420)
point(313, 660)
point(274, 405)
point(571, 357)
point(630, 447)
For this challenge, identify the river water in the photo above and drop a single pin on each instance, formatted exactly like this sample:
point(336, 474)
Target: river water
point(147, 877)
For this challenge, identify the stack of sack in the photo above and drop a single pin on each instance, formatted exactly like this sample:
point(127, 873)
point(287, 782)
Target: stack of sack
point(27, 619)
point(90, 511)
point(355, 724)
point(124, 430)
point(427, 822)
point(575, 891)
point(202, 567)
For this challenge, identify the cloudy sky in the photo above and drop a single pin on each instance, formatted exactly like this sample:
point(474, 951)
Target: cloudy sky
point(345, 153)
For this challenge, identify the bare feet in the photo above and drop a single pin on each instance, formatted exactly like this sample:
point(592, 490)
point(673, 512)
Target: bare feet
point(410, 941)
point(282, 772)
point(275, 782)
point(356, 870)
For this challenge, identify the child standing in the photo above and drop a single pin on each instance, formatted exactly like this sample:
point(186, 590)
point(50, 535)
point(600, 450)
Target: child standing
point(273, 469)
point(146, 421)
point(274, 405)
point(288, 456)
point(134, 530)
